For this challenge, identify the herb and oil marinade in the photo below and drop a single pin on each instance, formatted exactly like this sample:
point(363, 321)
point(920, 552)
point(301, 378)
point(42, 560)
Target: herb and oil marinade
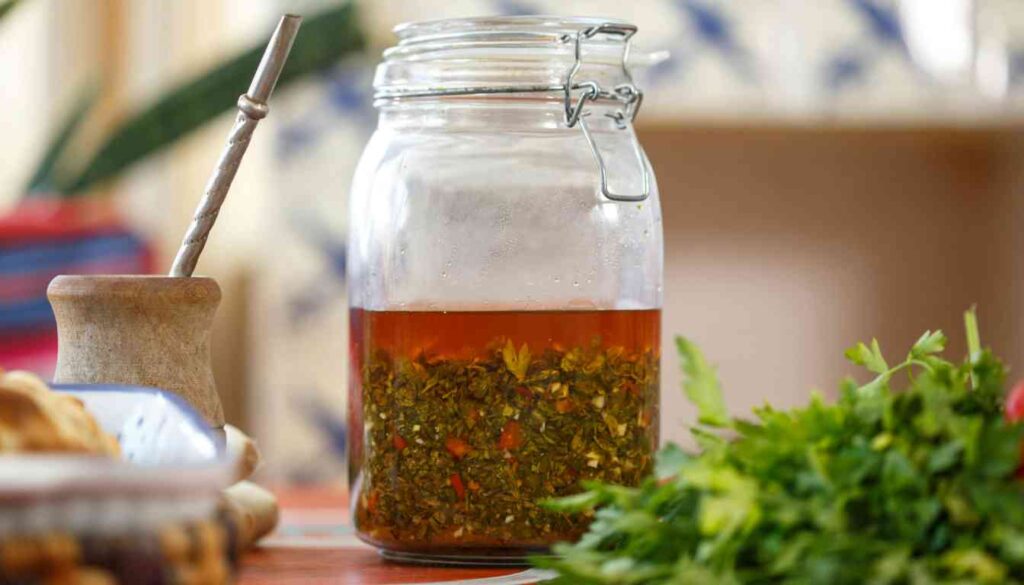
point(463, 422)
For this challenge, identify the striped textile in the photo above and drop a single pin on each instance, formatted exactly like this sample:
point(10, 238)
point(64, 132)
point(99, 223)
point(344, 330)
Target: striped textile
point(40, 239)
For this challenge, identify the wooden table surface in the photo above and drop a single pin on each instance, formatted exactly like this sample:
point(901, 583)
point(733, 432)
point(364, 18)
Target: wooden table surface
point(314, 543)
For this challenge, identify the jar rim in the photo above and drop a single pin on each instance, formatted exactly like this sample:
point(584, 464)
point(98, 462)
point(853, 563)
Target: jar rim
point(455, 27)
point(527, 36)
point(493, 54)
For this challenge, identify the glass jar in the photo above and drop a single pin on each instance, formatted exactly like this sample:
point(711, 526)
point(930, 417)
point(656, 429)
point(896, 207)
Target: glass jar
point(505, 273)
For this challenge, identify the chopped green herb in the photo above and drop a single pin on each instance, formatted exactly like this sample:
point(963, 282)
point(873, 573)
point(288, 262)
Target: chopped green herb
point(461, 452)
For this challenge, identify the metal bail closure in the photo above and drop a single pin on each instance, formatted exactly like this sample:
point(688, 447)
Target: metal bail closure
point(627, 93)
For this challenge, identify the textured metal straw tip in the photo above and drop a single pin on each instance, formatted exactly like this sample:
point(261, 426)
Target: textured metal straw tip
point(252, 107)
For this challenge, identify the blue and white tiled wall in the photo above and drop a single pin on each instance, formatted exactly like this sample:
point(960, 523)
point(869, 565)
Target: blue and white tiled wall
point(297, 404)
point(800, 60)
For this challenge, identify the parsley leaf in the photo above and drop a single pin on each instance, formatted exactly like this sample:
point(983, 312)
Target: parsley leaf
point(871, 358)
point(701, 386)
point(517, 363)
point(929, 343)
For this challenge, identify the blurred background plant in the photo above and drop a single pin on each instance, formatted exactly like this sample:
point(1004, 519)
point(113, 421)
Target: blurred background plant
point(326, 38)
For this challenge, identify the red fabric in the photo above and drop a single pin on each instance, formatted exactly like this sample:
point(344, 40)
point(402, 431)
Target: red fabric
point(35, 352)
point(47, 219)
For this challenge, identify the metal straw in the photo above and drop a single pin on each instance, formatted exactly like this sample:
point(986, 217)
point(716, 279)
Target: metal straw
point(252, 107)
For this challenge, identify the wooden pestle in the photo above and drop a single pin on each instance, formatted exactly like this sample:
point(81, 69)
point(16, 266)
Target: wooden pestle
point(141, 330)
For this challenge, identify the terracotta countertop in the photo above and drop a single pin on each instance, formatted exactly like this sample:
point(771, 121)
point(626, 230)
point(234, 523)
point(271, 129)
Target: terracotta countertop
point(314, 543)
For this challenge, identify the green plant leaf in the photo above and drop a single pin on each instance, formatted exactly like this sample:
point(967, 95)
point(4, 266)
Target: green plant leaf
point(701, 385)
point(669, 461)
point(574, 503)
point(323, 39)
point(869, 357)
point(973, 341)
point(43, 179)
point(6, 6)
point(929, 343)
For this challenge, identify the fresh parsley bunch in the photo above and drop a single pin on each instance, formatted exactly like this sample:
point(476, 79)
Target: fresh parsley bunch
point(883, 486)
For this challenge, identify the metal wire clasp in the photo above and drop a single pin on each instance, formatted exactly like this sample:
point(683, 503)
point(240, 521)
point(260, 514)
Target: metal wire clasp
point(627, 93)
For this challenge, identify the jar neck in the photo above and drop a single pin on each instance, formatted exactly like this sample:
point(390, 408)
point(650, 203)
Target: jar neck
point(529, 57)
point(499, 113)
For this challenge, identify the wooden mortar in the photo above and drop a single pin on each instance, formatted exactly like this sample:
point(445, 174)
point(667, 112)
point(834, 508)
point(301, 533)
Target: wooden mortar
point(141, 330)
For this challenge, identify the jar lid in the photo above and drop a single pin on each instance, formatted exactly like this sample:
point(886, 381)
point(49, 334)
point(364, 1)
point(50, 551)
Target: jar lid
point(517, 54)
point(575, 60)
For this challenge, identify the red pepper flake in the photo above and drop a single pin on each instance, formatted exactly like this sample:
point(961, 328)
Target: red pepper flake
point(511, 436)
point(631, 387)
point(371, 501)
point(473, 486)
point(564, 405)
point(399, 442)
point(457, 447)
point(456, 482)
point(524, 392)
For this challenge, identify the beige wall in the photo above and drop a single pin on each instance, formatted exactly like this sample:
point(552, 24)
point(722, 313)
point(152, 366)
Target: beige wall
point(784, 245)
